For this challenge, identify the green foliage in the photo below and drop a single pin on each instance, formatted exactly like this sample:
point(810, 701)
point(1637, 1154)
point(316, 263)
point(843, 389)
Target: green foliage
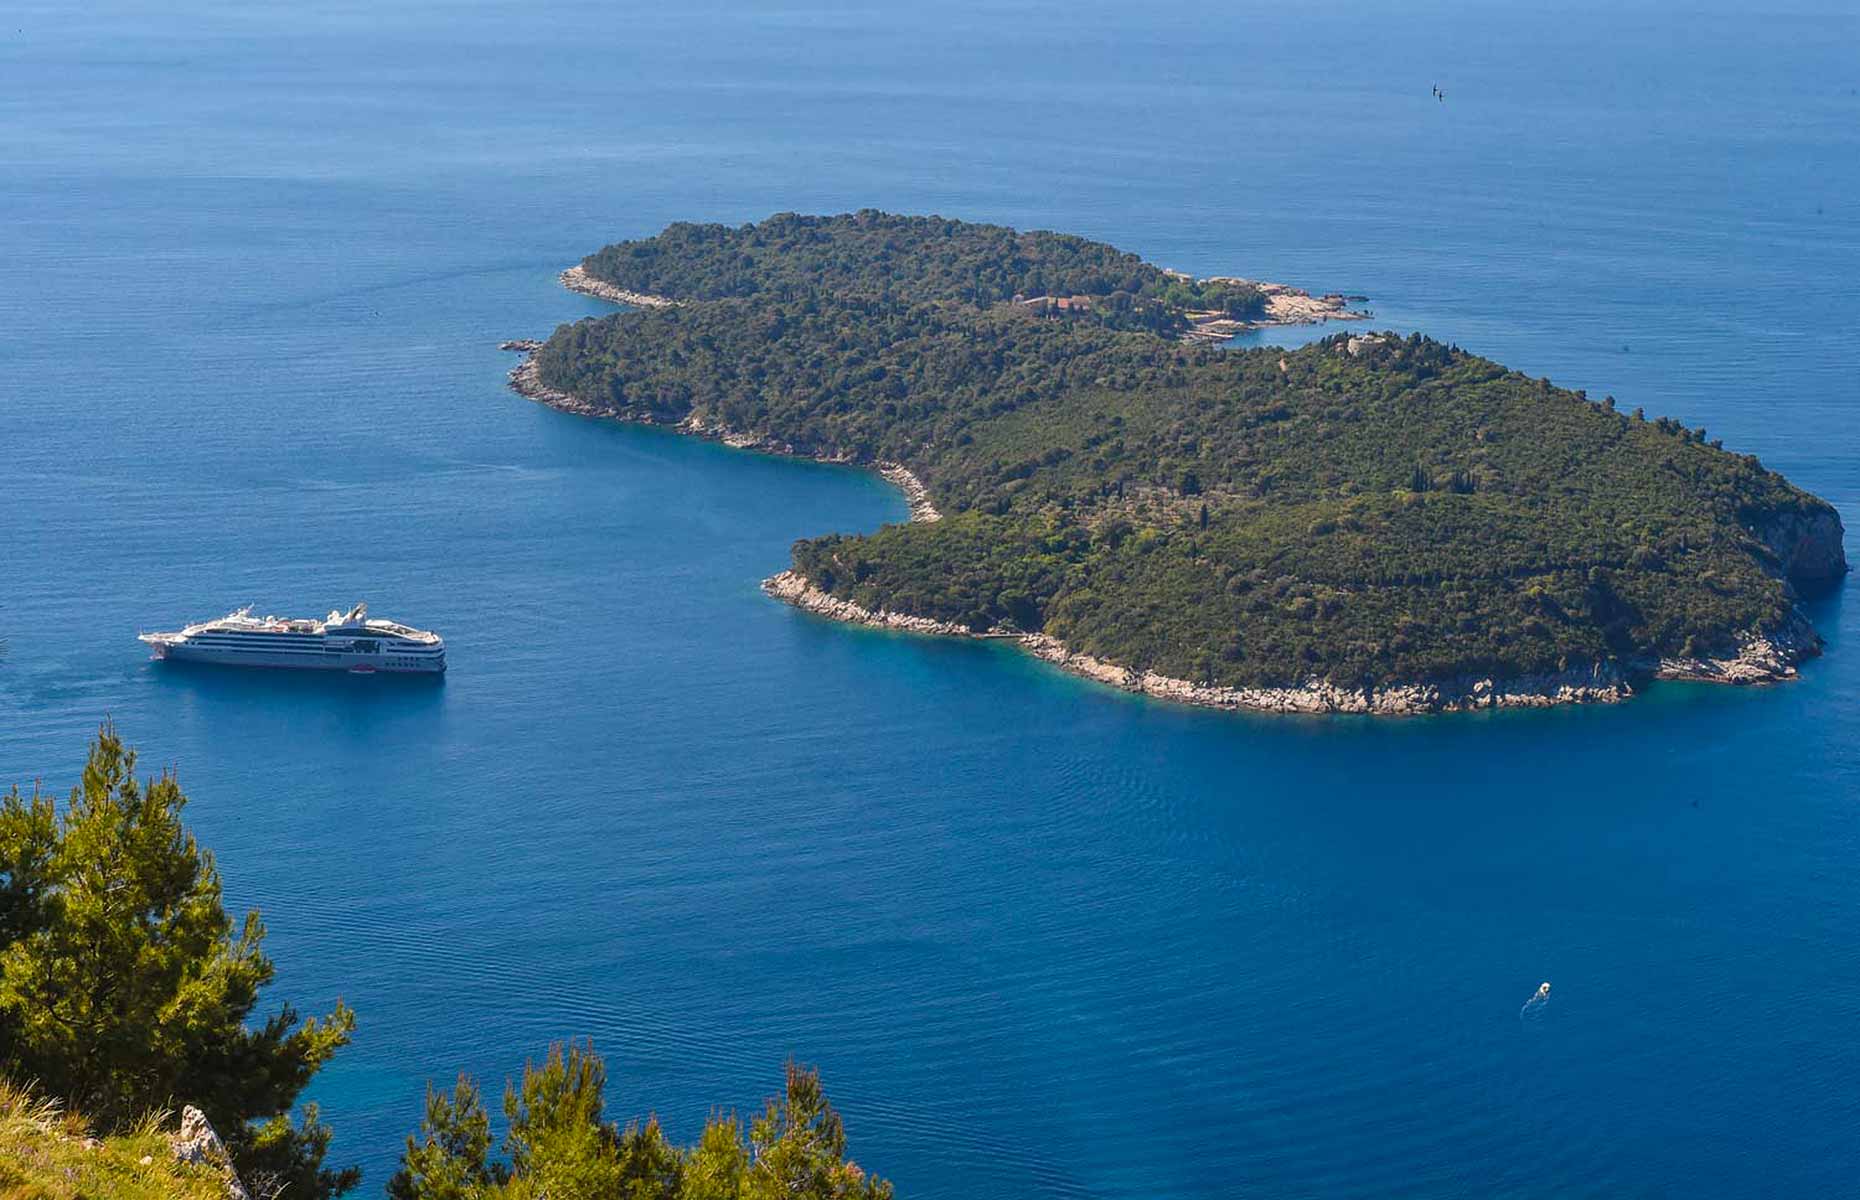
point(798, 1148)
point(1404, 511)
point(125, 991)
point(560, 1144)
point(48, 1153)
point(124, 987)
point(882, 256)
point(717, 1168)
point(28, 838)
point(453, 1161)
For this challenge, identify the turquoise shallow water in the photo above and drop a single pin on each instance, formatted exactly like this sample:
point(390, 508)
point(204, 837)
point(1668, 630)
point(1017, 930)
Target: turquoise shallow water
point(1044, 939)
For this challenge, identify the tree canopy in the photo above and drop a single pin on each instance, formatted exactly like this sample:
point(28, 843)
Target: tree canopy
point(561, 1144)
point(1366, 510)
point(885, 256)
point(127, 991)
point(125, 987)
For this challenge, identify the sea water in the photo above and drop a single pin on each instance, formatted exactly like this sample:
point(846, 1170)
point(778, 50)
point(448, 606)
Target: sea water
point(1042, 938)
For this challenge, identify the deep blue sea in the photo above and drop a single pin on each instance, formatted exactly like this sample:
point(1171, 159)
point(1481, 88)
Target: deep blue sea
point(1044, 939)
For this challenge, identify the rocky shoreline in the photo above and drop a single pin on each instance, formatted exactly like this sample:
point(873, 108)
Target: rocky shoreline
point(915, 494)
point(577, 280)
point(1760, 657)
point(1285, 305)
point(526, 381)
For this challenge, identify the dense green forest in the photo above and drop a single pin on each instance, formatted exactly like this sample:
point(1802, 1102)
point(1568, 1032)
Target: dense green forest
point(876, 255)
point(127, 991)
point(1364, 510)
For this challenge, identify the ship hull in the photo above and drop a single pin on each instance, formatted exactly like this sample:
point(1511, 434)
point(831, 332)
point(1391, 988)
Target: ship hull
point(386, 662)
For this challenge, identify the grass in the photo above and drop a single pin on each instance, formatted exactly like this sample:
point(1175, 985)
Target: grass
point(49, 1154)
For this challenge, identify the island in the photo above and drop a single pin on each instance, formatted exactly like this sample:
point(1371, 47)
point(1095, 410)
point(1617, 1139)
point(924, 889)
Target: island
point(1372, 523)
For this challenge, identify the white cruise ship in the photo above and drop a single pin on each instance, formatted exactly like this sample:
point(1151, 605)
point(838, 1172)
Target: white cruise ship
point(339, 642)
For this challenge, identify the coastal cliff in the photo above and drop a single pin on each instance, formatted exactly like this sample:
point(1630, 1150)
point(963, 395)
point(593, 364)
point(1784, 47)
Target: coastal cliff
point(1809, 544)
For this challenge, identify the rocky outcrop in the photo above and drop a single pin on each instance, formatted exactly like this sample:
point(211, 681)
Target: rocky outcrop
point(1757, 657)
point(526, 381)
point(1285, 305)
point(576, 279)
point(1808, 544)
point(915, 494)
point(794, 588)
point(198, 1143)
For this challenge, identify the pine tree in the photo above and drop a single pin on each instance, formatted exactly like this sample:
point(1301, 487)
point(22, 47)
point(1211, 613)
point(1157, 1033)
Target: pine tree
point(718, 1163)
point(560, 1144)
point(124, 988)
point(799, 1149)
point(28, 835)
point(450, 1160)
